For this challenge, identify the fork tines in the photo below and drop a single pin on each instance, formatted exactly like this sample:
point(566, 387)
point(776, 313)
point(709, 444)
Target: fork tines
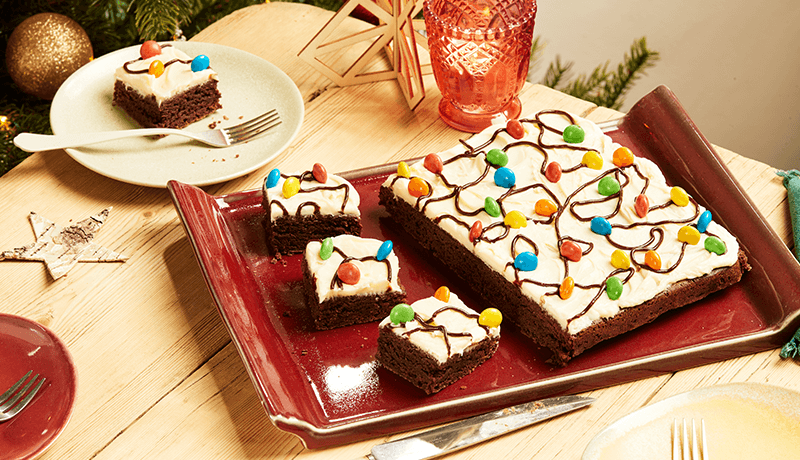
point(15, 399)
point(686, 446)
point(254, 127)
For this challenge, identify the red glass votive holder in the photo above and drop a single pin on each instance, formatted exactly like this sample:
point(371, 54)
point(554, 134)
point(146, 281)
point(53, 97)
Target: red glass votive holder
point(480, 51)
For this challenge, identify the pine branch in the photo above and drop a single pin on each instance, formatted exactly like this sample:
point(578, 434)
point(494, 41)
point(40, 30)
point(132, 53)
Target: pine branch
point(586, 87)
point(159, 19)
point(634, 65)
point(556, 72)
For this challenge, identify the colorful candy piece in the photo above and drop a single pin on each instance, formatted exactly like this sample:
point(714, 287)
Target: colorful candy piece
point(504, 177)
point(679, 196)
point(491, 206)
point(200, 63)
point(417, 187)
point(620, 260)
point(515, 219)
point(601, 226)
point(475, 231)
point(156, 68)
point(515, 129)
point(608, 186)
point(402, 170)
point(433, 163)
point(571, 251)
point(290, 187)
point(443, 294)
point(703, 221)
point(652, 260)
point(566, 288)
point(149, 49)
point(349, 273)
point(553, 172)
point(688, 234)
point(642, 206)
point(384, 250)
point(320, 173)
point(715, 245)
point(526, 261)
point(497, 157)
point(574, 134)
point(545, 207)
point(326, 249)
point(401, 313)
point(592, 160)
point(614, 288)
point(490, 317)
point(622, 157)
point(273, 177)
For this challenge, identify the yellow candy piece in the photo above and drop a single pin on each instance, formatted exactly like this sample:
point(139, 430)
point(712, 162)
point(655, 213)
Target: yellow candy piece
point(620, 260)
point(443, 294)
point(491, 317)
point(515, 219)
point(290, 187)
point(688, 234)
point(679, 196)
point(592, 159)
point(156, 68)
point(402, 170)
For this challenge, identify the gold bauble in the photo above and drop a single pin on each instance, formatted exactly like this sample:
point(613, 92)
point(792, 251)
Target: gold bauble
point(44, 50)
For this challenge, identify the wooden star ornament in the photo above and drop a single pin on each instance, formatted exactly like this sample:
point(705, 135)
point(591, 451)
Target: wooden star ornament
point(60, 249)
point(396, 33)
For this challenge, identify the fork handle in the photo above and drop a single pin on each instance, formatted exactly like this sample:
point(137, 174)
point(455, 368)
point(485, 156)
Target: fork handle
point(30, 142)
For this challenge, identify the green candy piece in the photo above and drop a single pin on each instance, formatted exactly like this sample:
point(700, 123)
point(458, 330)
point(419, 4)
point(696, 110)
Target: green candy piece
point(326, 250)
point(401, 313)
point(491, 206)
point(614, 288)
point(608, 186)
point(574, 134)
point(497, 157)
point(715, 245)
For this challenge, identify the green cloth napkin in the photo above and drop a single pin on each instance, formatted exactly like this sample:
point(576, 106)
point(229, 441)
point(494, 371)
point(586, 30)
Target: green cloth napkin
point(791, 180)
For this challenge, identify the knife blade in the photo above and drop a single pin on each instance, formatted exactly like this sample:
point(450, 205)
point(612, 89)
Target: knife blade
point(457, 435)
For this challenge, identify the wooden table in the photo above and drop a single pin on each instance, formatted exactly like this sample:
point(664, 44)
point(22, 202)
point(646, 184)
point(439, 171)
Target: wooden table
point(158, 374)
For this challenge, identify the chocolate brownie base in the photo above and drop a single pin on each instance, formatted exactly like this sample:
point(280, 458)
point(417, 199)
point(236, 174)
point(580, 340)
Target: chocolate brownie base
point(177, 112)
point(410, 362)
point(532, 320)
point(288, 235)
point(346, 310)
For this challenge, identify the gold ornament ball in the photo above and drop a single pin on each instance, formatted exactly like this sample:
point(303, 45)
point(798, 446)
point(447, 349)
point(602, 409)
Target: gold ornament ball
point(44, 50)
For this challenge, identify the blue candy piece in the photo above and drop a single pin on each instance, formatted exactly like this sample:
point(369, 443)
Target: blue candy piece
point(505, 177)
point(526, 261)
point(703, 221)
point(200, 63)
point(601, 226)
point(384, 250)
point(273, 177)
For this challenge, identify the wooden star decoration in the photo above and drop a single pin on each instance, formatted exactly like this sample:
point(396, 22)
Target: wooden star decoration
point(60, 249)
point(396, 33)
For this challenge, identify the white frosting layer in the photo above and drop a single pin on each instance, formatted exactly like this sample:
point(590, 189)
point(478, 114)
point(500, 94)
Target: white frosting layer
point(374, 274)
point(465, 320)
point(594, 267)
point(177, 77)
point(328, 196)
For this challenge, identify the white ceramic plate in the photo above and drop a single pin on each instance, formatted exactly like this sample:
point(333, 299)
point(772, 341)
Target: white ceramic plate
point(249, 85)
point(743, 420)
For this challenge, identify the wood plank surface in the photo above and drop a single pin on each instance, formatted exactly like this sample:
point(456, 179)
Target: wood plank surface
point(159, 377)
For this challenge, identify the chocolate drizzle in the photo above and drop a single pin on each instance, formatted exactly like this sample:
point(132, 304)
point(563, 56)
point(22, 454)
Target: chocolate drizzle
point(336, 282)
point(429, 326)
point(166, 64)
point(308, 176)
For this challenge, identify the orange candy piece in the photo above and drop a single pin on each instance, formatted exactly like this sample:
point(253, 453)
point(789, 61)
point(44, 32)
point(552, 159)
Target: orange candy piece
point(156, 68)
point(418, 187)
point(566, 288)
point(652, 260)
point(545, 207)
point(443, 294)
point(622, 157)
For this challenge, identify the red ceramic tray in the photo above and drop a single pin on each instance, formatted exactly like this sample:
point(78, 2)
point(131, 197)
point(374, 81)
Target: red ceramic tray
point(326, 387)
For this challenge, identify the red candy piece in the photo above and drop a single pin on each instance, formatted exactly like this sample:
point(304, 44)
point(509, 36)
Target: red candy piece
point(475, 231)
point(515, 129)
point(553, 172)
point(641, 206)
point(571, 251)
point(433, 163)
point(348, 273)
point(320, 173)
point(149, 49)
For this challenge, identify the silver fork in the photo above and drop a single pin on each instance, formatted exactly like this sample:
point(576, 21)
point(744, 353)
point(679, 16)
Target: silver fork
point(15, 399)
point(221, 137)
point(685, 446)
